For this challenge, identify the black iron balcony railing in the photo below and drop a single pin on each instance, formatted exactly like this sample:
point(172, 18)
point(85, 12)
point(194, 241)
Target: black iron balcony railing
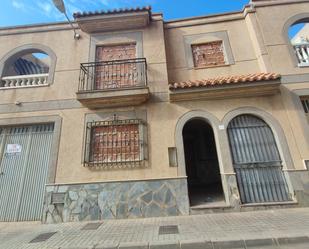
point(113, 75)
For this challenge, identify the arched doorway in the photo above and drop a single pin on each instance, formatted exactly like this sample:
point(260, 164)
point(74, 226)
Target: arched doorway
point(202, 167)
point(256, 161)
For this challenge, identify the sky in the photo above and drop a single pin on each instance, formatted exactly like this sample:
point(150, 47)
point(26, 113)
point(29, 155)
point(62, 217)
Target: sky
point(21, 12)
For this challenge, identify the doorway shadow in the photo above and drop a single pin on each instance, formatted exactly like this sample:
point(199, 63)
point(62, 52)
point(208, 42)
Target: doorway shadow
point(202, 166)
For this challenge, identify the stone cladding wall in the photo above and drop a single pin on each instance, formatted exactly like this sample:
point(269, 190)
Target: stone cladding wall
point(116, 200)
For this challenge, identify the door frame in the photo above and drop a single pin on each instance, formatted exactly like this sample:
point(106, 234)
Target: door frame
point(214, 123)
point(279, 135)
point(57, 121)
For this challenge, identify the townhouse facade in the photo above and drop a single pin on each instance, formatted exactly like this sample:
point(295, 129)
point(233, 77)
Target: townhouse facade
point(141, 117)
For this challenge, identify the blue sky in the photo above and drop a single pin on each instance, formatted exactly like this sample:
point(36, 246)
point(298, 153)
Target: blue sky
point(20, 12)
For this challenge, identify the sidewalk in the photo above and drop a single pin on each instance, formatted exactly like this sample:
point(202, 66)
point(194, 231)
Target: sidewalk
point(284, 228)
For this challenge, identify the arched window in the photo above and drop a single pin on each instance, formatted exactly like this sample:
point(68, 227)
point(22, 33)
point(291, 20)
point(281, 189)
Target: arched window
point(27, 66)
point(32, 63)
point(299, 37)
point(256, 161)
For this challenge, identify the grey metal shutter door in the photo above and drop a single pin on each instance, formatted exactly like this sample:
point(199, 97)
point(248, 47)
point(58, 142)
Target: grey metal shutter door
point(256, 161)
point(24, 174)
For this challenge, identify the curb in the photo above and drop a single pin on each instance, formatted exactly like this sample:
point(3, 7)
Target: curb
point(204, 244)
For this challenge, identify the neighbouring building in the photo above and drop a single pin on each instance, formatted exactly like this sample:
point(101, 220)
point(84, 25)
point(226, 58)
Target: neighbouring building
point(301, 43)
point(142, 117)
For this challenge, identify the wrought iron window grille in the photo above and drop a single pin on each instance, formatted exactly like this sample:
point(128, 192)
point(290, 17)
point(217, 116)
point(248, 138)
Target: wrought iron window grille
point(305, 103)
point(116, 144)
point(306, 162)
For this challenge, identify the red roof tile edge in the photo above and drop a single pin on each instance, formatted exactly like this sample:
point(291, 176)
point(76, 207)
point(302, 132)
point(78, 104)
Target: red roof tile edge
point(113, 11)
point(218, 81)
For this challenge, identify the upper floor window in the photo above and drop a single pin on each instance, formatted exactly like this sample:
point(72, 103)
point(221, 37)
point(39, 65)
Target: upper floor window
point(208, 54)
point(116, 52)
point(305, 103)
point(116, 66)
point(28, 67)
point(299, 37)
point(206, 50)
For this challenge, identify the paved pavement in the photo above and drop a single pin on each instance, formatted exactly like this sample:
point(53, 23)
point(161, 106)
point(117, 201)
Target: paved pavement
point(280, 228)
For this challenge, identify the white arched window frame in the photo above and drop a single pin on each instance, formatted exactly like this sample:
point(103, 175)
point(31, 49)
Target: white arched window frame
point(299, 52)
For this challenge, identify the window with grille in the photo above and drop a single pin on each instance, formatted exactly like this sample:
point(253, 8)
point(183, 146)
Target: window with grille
point(122, 73)
point(117, 142)
point(305, 103)
point(208, 54)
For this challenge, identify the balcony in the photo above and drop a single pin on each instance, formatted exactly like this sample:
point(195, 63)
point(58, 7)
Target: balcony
point(113, 83)
point(21, 81)
point(302, 53)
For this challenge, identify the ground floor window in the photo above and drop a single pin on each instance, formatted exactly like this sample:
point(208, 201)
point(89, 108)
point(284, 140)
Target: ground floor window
point(115, 142)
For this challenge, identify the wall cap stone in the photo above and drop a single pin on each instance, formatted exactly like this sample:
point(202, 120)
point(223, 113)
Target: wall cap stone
point(111, 181)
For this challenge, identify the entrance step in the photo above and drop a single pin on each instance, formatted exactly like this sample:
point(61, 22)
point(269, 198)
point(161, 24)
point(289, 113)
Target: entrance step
point(210, 208)
point(219, 208)
point(268, 205)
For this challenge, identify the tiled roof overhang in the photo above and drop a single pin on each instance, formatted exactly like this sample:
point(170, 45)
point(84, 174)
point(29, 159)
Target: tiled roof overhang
point(220, 81)
point(250, 85)
point(111, 20)
point(113, 11)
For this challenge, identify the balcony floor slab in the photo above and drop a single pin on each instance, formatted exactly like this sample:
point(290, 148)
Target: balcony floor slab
point(113, 98)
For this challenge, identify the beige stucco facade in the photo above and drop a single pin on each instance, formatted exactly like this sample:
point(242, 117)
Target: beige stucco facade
point(255, 40)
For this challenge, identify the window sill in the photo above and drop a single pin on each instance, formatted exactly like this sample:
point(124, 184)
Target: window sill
point(116, 165)
point(303, 65)
point(213, 66)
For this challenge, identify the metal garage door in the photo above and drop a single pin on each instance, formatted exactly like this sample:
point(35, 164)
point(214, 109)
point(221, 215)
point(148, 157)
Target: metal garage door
point(25, 154)
point(257, 161)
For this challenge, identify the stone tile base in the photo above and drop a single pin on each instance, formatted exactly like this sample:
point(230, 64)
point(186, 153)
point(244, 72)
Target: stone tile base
point(116, 200)
point(300, 184)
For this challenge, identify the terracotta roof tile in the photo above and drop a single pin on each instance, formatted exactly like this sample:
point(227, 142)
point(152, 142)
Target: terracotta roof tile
point(237, 79)
point(109, 12)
